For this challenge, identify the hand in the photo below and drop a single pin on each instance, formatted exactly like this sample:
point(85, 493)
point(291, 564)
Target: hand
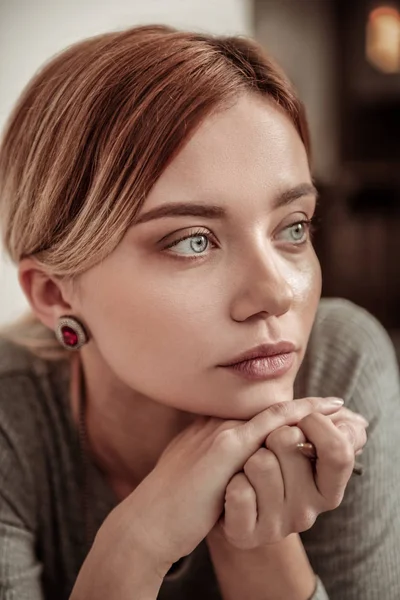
point(344, 415)
point(279, 491)
point(179, 502)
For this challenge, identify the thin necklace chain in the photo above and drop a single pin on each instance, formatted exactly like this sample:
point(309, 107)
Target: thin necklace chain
point(84, 452)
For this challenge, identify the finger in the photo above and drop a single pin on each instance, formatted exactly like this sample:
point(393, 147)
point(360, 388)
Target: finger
point(345, 414)
point(264, 473)
point(301, 496)
point(335, 456)
point(253, 433)
point(283, 443)
point(239, 521)
point(232, 447)
point(355, 433)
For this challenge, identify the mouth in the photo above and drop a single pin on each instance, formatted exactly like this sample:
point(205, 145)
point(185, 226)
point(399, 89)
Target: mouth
point(262, 351)
point(263, 368)
point(267, 361)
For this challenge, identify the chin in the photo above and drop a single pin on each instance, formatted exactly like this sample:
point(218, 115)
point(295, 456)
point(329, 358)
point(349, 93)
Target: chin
point(249, 402)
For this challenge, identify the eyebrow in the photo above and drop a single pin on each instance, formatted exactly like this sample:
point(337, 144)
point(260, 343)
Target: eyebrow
point(210, 211)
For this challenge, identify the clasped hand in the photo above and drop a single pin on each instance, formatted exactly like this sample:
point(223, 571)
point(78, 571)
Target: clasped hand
point(244, 479)
point(280, 491)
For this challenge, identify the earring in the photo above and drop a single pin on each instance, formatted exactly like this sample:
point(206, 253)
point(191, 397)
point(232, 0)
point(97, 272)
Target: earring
point(70, 333)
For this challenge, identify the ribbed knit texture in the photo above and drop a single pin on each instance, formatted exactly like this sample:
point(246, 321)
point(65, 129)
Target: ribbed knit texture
point(355, 549)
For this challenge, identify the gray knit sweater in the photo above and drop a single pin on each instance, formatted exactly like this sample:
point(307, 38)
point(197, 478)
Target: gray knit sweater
point(355, 549)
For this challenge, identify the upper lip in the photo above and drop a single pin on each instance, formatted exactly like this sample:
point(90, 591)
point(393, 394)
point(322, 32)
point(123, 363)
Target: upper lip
point(262, 351)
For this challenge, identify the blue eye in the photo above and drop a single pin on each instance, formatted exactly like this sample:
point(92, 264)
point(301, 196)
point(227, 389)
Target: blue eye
point(192, 244)
point(298, 233)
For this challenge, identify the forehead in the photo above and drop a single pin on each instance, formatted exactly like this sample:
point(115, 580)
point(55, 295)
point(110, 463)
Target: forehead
point(250, 146)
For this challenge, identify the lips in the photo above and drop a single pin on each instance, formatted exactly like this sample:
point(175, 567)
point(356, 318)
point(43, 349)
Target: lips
point(262, 351)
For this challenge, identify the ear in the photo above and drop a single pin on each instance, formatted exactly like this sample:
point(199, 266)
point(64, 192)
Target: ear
point(47, 295)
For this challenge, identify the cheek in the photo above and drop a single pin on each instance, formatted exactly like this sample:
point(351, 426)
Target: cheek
point(146, 319)
point(306, 282)
point(155, 338)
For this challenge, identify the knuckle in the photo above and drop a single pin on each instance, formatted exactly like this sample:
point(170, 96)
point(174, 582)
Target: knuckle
point(285, 438)
point(357, 435)
point(334, 501)
point(340, 454)
point(304, 521)
point(239, 490)
point(347, 457)
point(226, 441)
point(312, 403)
point(280, 409)
point(262, 461)
point(348, 430)
point(313, 418)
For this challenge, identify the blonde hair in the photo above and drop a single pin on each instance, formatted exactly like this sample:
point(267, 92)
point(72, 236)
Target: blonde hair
point(93, 131)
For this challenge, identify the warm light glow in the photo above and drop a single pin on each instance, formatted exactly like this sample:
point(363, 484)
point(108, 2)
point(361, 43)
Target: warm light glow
point(383, 39)
point(376, 13)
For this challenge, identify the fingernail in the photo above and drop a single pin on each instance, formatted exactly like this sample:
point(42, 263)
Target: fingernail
point(335, 401)
point(359, 452)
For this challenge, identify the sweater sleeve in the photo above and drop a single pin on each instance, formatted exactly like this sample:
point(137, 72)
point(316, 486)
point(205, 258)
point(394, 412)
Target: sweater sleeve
point(355, 549)
point(20, 569)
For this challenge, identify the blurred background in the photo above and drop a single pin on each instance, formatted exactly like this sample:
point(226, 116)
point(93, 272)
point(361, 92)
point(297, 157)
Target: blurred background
point(344, 58)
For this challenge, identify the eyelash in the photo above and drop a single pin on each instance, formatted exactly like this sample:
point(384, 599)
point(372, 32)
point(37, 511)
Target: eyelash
point(196, 233)
point(309, 223)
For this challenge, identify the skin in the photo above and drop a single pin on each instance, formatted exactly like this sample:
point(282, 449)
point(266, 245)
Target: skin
point(161, 321)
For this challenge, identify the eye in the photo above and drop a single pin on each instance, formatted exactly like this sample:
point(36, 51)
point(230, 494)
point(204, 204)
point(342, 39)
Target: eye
point(298, 233)
point(192, 245)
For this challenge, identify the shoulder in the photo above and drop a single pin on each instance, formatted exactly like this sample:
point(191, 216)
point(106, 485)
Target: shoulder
point(20, 373)
point(34, 397)
point(29, 419)
point(33, 393)
point(340, 321)
point(17, 359)
point(349, 353)
point(352, 357)
point(19, 432)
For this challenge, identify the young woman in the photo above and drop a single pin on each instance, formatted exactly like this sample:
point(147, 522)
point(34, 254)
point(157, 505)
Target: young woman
point(156, 195)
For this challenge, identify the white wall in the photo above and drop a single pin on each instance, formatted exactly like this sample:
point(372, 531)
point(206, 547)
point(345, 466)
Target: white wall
point(31, 31)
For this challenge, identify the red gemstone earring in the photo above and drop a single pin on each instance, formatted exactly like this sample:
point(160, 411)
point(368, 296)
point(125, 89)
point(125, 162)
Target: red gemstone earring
point(71, 333)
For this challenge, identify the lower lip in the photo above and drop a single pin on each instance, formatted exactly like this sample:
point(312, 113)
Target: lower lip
point(259, 369)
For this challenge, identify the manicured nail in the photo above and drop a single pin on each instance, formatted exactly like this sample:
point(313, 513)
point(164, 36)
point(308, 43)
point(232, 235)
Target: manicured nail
point(335, 401)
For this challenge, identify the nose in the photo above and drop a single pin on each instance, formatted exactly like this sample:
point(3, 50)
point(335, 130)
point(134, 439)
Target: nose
point(264, 286)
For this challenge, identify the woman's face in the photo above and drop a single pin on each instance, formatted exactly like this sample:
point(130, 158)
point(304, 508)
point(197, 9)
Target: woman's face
point(164, 314)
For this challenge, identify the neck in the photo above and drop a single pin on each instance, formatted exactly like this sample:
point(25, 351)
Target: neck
point(126, 432)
